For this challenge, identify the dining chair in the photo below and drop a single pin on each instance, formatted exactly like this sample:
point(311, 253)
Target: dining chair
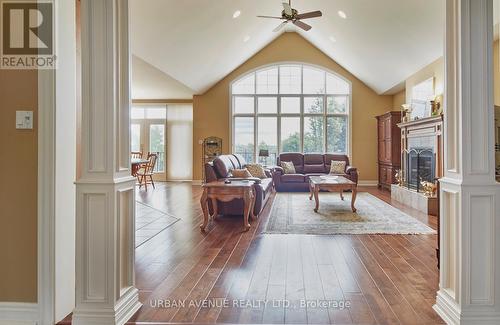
point(136, 154)
point(146, 171)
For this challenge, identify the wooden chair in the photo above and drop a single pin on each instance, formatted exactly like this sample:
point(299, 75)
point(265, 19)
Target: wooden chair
point(146, 171)
point(136, 154)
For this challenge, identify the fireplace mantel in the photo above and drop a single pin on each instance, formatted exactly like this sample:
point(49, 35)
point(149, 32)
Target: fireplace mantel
point(418, 138)
point(423, 121)
point(430, 127)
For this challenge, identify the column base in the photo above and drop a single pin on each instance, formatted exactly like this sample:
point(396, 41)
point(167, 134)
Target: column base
point(123, 310)
point(446, 308)
point(452, 315)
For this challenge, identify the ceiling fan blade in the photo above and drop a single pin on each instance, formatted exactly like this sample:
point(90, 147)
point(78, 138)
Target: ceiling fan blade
point(288, 9)
point(280, 26)
point(302, 25)
point(270, 17)
point(312, 14)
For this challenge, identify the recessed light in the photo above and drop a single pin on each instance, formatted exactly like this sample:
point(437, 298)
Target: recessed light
point(236, 14)
point(333, 39)
point(246, 39)
point(342, 14)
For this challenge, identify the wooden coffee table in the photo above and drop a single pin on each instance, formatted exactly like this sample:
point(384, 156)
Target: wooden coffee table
point(331, 184)
point(227, 192)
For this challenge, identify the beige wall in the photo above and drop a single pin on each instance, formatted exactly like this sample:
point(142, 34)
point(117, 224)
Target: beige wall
point(211, 110)
point(496, 65)
point(435, 69)
point(398, 100)
point(18, 193)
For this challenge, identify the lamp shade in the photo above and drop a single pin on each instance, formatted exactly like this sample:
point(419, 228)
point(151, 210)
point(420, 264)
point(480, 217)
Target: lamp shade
point(263, 153)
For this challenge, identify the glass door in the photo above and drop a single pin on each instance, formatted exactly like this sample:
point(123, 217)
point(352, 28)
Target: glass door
point(148, 126)
point(156, 144)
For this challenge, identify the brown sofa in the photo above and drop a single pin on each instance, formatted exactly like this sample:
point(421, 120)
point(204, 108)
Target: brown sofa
point(221, 168)
point(308, 165)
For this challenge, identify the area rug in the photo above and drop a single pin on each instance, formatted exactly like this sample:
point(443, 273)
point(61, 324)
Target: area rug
point(149, 222)
point(292, 213)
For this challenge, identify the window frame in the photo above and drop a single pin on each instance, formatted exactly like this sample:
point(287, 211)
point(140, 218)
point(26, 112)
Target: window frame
point(301, 115)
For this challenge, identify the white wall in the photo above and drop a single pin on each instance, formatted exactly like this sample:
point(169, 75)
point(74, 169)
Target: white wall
point(179, 142)
point(149, 82)
point(65, 159)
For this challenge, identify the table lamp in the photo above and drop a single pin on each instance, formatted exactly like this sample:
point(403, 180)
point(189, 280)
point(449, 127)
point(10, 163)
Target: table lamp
point(264, 153)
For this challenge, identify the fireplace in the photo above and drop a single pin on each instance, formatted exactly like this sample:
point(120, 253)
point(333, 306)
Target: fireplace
point(421, 156)
point(420, 159)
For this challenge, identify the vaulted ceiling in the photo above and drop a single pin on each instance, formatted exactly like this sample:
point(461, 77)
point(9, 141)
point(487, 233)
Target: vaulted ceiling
point(198, 42)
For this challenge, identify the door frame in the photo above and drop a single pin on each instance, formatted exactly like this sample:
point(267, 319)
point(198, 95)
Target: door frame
point(46, 196)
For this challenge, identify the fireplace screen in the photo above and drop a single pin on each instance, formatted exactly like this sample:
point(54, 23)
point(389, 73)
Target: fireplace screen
point(420, 167)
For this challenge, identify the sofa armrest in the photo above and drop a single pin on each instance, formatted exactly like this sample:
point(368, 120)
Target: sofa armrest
point(350, 169)
point(278, 170)
point(269, 172)
point(352, 172)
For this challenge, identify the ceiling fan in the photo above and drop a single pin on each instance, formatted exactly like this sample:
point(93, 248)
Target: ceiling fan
point(289, 14)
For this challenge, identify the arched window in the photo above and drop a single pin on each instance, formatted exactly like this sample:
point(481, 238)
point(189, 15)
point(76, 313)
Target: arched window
point(290, 108)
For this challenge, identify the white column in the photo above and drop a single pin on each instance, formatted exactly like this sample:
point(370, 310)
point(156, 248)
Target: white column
point(105, 292)
point(469, 290)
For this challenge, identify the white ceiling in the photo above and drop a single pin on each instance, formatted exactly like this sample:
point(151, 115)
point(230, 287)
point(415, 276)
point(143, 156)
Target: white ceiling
point(197, 42)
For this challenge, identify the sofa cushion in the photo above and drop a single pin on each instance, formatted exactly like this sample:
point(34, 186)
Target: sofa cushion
point(293, 178)
point(313, 159)
point(223, 166)
point(288, 167)
point(320, 168)
point(296, 158)
point(256, 170)
point(241, 173)
point(329, 157)
point(266, 184)
point(337, 167)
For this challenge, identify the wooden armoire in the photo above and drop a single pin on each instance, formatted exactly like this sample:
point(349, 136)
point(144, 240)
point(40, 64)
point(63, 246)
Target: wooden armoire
point(389, 148)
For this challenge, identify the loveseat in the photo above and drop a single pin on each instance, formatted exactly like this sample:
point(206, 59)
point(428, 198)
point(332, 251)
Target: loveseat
point(307, 165)
point(220, 169)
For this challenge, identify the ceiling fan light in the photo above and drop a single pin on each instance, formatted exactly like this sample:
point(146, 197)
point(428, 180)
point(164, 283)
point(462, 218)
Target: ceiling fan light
point(342, 14)
point(236, 14)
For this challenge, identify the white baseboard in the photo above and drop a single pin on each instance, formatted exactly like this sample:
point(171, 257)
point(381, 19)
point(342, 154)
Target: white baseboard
point(367, 183)
point(17, 313)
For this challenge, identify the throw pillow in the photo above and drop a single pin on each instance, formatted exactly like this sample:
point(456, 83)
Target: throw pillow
point(288, 167)
point(337, 167)
point(256, 170)
point(241, 173)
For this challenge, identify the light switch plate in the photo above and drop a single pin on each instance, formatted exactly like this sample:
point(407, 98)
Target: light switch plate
point(24, 120)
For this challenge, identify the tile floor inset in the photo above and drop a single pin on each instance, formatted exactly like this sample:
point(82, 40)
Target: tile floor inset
point(149, 222)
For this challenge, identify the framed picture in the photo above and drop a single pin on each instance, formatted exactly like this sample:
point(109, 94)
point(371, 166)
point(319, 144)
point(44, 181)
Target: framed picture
point(422, 94)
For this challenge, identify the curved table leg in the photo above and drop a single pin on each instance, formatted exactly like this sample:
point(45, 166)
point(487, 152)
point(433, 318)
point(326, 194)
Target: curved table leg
point(353, 198)
point(316, 198)
point(342, 194)
point(204, 207)
point(247, 199)
point(216, 210)
point(311, 190)
point(252, 215)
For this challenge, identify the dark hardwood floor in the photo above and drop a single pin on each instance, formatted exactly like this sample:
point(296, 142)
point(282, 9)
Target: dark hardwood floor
point(226, 275)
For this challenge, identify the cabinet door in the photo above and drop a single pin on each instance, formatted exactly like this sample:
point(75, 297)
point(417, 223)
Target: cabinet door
point(381, 150)
point(389, 176)
point(387, 129)
point(388, 151)
point(382, 175)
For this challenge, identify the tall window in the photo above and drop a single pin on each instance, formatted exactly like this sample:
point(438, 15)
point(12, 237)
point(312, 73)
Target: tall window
point(290, 108)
